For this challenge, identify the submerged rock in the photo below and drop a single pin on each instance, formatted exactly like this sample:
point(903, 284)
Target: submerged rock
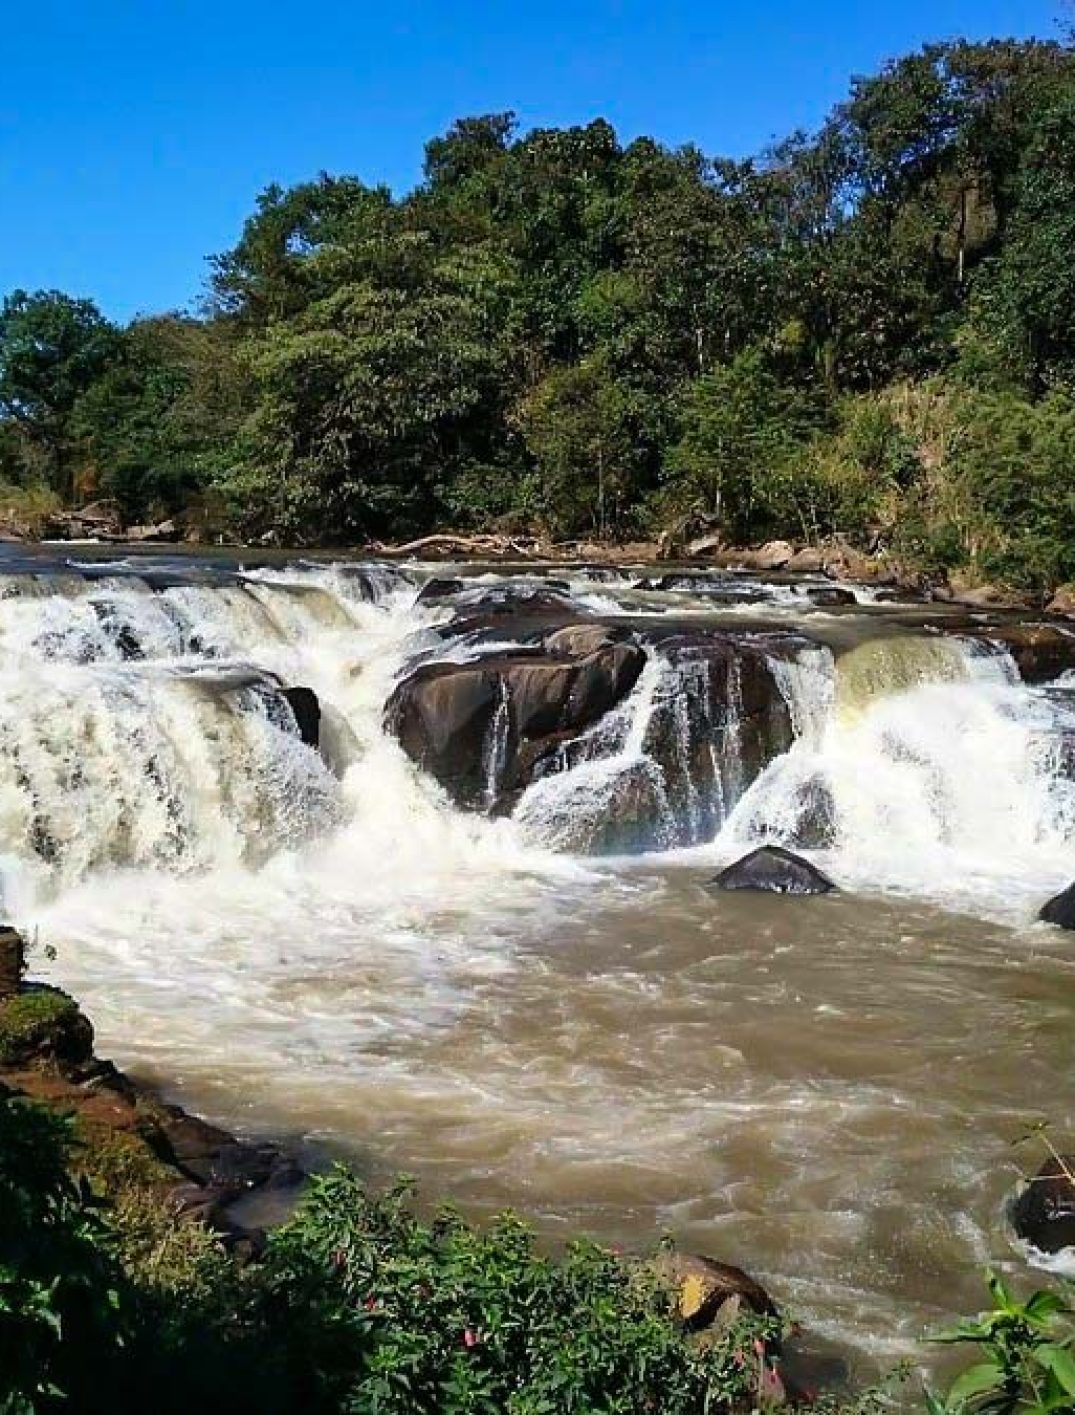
point(825, 595)
point(1043, 1214)
point(1060, 910)
point(777, 871)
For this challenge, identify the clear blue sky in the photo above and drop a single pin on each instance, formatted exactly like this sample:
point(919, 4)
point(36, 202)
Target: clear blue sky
point(135, 134)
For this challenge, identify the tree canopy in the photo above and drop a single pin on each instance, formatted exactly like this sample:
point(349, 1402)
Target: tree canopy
point(560, 330)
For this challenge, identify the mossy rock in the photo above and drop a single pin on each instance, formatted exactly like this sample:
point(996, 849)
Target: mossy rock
point(118, 1161)
point(41, 1025)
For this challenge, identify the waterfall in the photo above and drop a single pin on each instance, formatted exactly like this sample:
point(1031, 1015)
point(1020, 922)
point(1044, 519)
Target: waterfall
point(145, 727)
point(142, 725)
point(919, 763)
point(667, 767)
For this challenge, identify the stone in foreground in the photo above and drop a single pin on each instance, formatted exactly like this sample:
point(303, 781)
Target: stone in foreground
point(775, 871)
point(1044, 1213)
point(1060, 910)
point(706, 1290)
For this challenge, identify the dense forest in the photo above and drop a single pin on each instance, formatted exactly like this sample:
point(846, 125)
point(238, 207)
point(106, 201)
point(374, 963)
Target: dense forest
point(869, 330)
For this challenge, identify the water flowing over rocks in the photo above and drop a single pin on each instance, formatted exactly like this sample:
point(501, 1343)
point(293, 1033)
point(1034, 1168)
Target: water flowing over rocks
point(774, 870)
point(330, 935)
point(482, 727)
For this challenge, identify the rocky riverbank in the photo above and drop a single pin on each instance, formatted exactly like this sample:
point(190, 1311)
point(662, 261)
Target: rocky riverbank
point(126, 1134)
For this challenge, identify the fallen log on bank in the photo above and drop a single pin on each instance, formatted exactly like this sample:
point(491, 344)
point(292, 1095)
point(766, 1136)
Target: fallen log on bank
point(448, 543)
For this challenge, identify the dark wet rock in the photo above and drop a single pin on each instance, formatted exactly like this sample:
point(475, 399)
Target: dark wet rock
point(374, 582)
point(508, 612)
point(12, 961)
point(1041, 651)
point(720, 588)
point(441, 715)
point(437, 589)
point(1060, 910)
point(825, 595)
point(481, 727)
point(899, 594)
point(718, 725)
point(1043, 1214)
point(716, 718)
point(306, 709)
point(776, 871)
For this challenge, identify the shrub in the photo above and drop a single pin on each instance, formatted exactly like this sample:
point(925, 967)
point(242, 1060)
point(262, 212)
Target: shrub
point(1026, 1349)
point(388, 1313)
point(63, 1301)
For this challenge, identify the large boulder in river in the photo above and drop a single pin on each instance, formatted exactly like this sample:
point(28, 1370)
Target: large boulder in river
point(1060, 910)
point(719, 719)
point(1043, 1214)
point(712, 718)
point(481, 727)
point(775, 871)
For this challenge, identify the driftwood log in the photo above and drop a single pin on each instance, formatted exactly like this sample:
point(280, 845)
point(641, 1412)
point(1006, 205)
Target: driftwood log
point(494, 546)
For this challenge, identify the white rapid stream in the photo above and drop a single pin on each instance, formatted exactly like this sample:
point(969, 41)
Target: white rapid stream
point(321, 945)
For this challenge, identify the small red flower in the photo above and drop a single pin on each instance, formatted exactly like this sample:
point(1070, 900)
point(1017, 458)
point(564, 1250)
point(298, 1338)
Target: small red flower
point(470, 1337)
point(370, 1304)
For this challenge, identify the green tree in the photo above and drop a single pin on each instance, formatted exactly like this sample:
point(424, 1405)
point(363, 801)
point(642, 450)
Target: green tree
point(52, 349)
point(159, 423)
point(577, 425)
point(741, 429)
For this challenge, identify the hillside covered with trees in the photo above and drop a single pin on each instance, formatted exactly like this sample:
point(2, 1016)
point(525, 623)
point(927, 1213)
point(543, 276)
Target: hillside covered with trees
point(869, 330)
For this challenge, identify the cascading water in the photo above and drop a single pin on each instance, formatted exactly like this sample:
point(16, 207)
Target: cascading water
point(923, 765)
point(320, 942)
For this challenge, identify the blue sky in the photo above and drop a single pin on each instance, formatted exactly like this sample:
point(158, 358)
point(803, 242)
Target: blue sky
point(135, 134)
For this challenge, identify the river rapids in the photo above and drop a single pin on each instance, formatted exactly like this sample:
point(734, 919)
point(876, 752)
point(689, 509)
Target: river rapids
point(516, 1002)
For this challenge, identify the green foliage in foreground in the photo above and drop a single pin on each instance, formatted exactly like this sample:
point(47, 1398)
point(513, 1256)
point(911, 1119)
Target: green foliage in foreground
point(1026, 1360)
point(357, 1305)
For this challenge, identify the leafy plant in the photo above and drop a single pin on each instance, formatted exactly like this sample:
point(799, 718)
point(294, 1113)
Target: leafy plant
point(1027, 1364)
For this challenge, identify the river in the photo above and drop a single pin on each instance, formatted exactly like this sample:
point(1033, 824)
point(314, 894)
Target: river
point(321, 945)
